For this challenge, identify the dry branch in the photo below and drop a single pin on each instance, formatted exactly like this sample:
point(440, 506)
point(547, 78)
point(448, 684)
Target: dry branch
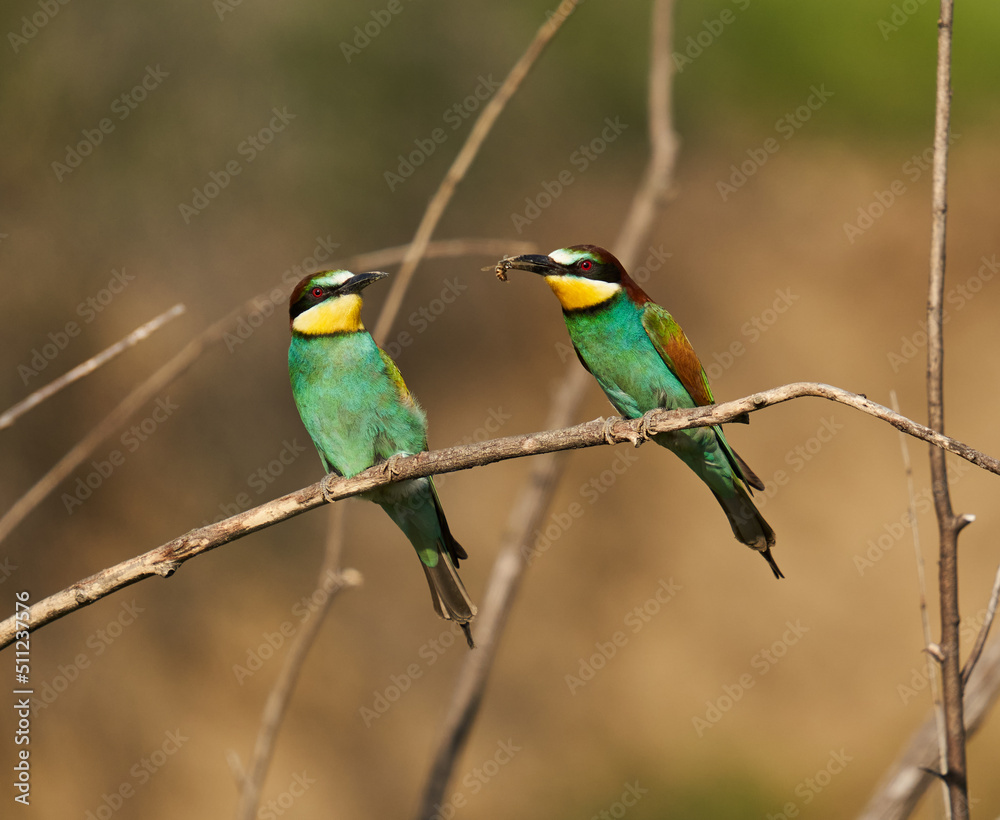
point(480, 130)
point(144, 331)
point(390, 309)
point(949, 525)
point(189, 354)
point(898, 792)
point(532, 503)
point(332, 580)
point(167, 558)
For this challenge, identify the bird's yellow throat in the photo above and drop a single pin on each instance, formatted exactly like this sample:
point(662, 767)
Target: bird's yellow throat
point(339, 315)
point(577, 293)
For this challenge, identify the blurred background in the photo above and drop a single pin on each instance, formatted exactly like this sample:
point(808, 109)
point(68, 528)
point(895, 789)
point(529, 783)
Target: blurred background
point(200, 152)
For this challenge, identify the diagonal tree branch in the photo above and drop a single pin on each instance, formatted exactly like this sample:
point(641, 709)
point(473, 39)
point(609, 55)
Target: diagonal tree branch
point(898, 792)
point(531, 505)
point(167, 558)
point(93, 363)
point(332, 580)
point(390, 309)
point(189, 354)
point(480, 130)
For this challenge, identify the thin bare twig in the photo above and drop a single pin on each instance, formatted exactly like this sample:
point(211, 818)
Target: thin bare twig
point(531, 505)
point(89, 366)
point(331, 581)
point(984, 630)
point(480, 130)
point(949, 525)
point(416, 251)
point(898, 792)
point(210, 336)
point(925, 620)
point(167, 558)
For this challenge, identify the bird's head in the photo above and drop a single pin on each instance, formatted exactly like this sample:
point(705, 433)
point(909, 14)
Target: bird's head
point(581, 276)
point(329, 302)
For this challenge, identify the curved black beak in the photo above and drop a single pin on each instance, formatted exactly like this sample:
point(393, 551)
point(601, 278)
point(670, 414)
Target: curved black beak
point(534, 263)
point(360, 281)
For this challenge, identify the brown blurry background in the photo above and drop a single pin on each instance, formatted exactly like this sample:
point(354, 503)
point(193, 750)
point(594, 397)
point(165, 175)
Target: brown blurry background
point(131, 674)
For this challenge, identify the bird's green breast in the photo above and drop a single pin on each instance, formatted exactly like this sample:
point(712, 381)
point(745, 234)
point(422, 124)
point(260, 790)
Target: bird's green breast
point(353, 408)
point(614, 345)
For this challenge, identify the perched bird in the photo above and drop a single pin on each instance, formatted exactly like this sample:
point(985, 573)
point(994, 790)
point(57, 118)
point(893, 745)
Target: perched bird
point(358, 412)
point(642, 360)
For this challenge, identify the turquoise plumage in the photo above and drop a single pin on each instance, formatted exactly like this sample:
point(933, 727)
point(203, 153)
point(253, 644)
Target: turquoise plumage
point(359, 413)
point(643, 361)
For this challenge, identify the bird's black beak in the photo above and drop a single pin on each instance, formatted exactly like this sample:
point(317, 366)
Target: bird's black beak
point(534, 263)
point(360, 281)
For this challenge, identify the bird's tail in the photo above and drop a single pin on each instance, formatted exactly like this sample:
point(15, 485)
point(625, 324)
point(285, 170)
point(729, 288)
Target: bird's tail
point(748, 524)
point(448, 594)
point(418, 513)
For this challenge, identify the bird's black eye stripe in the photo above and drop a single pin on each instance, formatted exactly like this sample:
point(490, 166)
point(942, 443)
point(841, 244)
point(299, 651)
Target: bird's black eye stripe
point(311, 296)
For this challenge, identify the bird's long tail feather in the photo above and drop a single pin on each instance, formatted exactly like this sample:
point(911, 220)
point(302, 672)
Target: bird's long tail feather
point(749, 525)
point(451, 601)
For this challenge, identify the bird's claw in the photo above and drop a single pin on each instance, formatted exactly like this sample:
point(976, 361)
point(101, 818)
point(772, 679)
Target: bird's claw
point(609, 435)
point(328, 495)
point(389, 467)
point(644, 434)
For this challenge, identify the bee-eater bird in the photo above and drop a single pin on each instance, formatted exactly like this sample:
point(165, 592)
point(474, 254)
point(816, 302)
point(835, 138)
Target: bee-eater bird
point(358, 412)
point(643, 361)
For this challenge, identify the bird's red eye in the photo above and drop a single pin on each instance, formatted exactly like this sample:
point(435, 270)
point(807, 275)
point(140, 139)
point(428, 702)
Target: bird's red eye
point(586, 264)
point(317, 292)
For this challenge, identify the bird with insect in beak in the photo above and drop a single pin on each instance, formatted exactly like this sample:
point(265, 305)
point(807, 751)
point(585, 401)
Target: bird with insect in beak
point(643, 361)
point(359, 413)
